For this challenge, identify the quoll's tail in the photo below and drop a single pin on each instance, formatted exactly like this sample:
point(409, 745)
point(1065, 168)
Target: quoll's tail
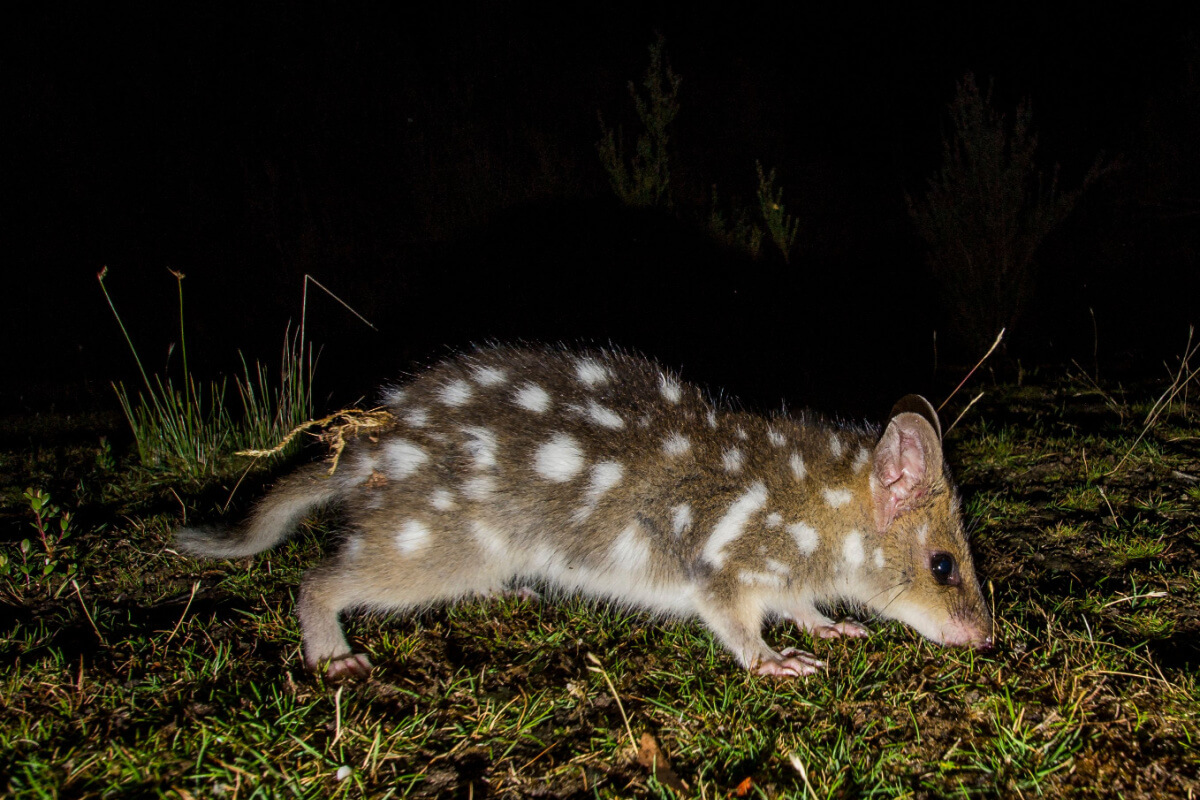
point(275, 518)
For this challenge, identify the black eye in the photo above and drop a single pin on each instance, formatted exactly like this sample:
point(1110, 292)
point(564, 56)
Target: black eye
point(944, 569)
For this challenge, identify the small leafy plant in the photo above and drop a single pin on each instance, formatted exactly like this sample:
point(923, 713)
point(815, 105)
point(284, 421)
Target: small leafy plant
point(48, 555)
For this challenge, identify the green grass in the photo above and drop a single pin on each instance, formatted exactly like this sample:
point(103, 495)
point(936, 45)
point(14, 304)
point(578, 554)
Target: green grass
point(186, 429)
point(136, 671)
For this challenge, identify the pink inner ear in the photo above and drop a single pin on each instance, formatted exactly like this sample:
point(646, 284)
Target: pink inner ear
point(900, 467)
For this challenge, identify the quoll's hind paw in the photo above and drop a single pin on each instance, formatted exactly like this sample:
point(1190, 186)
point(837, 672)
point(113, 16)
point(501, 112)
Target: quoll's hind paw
point(839, 629)
point(792, 663)
point(351, 667)
point(527, 594)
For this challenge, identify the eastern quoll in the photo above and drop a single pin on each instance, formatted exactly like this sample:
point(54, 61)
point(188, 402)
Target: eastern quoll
point(601, 473)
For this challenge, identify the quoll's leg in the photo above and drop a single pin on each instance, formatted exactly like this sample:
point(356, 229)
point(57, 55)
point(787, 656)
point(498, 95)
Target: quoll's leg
point(414, 568)
point(323, 596)
point(737, 624)
point(816, 623)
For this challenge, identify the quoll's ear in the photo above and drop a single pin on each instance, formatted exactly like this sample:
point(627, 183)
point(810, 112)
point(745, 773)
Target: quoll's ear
point(908, 459)
point(916, 404)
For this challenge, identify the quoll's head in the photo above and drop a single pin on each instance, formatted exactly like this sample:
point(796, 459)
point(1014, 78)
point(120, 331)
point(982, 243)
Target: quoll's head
point(929, 576)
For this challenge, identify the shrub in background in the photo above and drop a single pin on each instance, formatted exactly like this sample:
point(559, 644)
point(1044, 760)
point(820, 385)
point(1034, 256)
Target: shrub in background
point(985, 213)
point(644, 180)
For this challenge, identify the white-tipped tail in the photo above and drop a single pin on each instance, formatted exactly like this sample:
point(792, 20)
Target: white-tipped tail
point(275, 518)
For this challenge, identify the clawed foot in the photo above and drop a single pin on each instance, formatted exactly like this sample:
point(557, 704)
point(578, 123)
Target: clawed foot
point(351, 667)
point(792, 663)
point(837, 630)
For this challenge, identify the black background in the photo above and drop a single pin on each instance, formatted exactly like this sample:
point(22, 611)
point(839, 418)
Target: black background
point(436, 168)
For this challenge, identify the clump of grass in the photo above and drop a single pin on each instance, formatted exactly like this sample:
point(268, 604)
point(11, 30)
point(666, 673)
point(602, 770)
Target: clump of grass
point(1136, 544)
point(187, 430)
point(1174, 396)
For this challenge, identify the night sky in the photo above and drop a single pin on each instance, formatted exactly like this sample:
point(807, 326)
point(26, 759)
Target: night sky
point(438, 171)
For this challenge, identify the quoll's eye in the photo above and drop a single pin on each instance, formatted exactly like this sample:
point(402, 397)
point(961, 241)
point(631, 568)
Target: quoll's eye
point(944, 570)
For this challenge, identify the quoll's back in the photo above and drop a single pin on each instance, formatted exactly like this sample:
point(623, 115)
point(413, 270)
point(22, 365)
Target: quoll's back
point(600, 473)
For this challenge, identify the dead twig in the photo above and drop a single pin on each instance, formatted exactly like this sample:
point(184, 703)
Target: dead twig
point(353, 421)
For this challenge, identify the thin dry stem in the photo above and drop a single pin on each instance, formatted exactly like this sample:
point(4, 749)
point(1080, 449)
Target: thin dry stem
point(1182, 378)
point(978, 364)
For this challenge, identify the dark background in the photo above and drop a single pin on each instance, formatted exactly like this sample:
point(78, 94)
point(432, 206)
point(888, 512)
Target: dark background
point(437, 170)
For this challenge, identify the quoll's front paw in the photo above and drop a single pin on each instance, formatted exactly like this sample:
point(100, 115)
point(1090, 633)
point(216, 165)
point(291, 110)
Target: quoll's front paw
point(351, 667)
point(792, 663)
point(837, 630)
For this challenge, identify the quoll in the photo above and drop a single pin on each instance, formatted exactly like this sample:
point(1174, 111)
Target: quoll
point(601, 473)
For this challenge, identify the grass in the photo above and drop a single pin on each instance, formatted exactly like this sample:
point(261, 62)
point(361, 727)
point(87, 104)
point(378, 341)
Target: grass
point(187, 430)
point(131, 670)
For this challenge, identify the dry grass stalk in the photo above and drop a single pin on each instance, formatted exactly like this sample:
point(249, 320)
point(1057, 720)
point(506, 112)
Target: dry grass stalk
point(1180, 380)
point(339, 427)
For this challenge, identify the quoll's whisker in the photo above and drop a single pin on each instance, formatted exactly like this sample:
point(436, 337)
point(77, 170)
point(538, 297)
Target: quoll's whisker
point(602, 474)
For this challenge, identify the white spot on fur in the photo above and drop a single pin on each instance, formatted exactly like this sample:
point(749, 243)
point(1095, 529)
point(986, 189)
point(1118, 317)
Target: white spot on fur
point(806, 537)
point(922, 534)
point(411, 537)
point(417, 417)
point(879, 558)
point(711, 417)
point(455, 393)
point(630, 551)
point(852, 549)
point(394, 396)
point(481, 444)
point(353, 547)
point(796, 462)
point(731, 459)
point(681, 518)
point(670, 389)
point(490, 376)
point(442, 500)
point(836, 498)
point(559, 459)
point(774, 519)
point(604, 476)
point(676, 445)
point(604, 416)
point(480, 488)
point(490, 540)
point(740, 433)
point(860, 459)
point(730, 526)
point(778, 567)
point(776, 438)
point(768, 579)
point(532, 397)
point(403, 458)
point(590, 373)
point(836, 448)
